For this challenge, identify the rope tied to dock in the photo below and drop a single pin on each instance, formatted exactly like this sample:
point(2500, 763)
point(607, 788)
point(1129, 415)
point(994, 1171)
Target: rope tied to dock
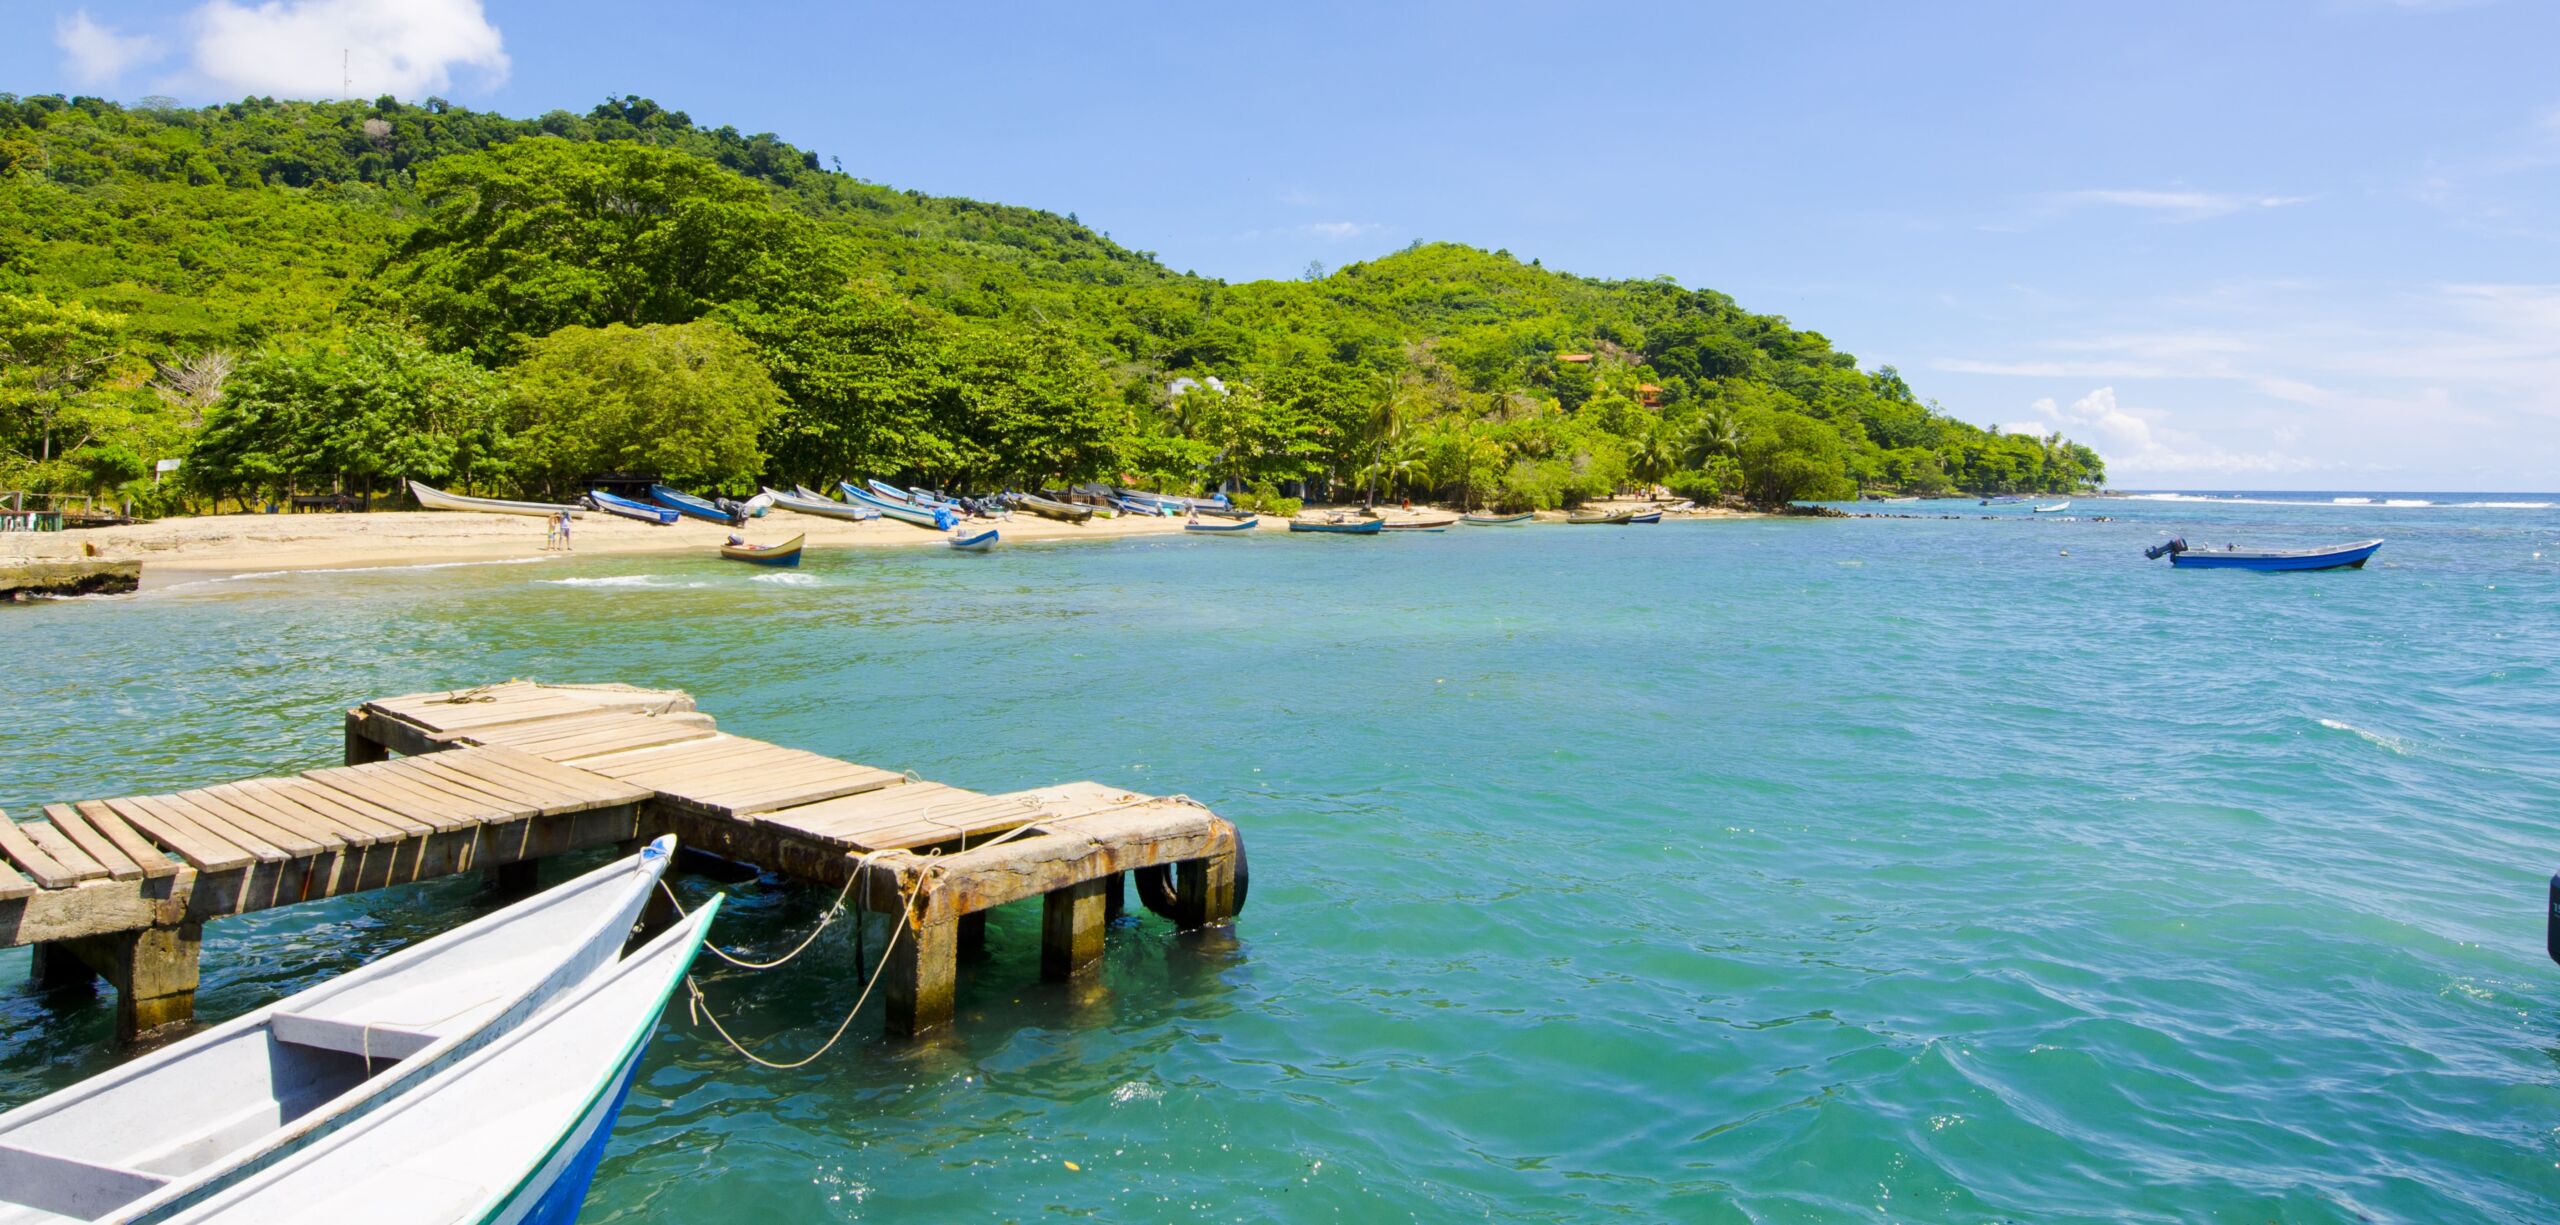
point(699, 1008)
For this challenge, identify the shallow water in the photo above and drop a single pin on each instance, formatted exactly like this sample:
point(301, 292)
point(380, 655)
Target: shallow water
point(1710, 871)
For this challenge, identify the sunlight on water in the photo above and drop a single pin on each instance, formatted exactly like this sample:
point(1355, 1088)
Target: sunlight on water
point(1780, 870)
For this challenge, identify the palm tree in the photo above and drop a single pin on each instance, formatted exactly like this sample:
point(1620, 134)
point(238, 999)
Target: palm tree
point(1720, 434)
point(1657, 455)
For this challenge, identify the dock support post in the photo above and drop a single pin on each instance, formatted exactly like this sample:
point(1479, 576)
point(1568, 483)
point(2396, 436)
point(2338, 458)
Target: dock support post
point(56, 968)
point(362, 749)
point(1071, 930)
point(1115, 897)
point(923, 970)
point(517, 879)
point(1204, 891)
point(973, 936)
point(153, 971)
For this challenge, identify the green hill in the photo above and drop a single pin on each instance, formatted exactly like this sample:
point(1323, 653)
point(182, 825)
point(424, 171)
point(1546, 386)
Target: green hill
point(351, 245)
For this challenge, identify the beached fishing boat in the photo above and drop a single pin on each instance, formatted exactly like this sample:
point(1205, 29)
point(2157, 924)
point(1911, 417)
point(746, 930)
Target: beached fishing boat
point(757, 505)
point(933, 518)
point(2056, 507)
point(1144, 509)
point(1419, 525)
point(688, 505)
point(806, 503)
point(183, 1122)
point(628, 509)
point(1246, 524)
point(511, 1134)
point(1345, 527)
point(1223, 512)
point(436, 499)
point(1048, 508)
point(2340, 557)
point(1645, 516)
point(887, 490)
point(786, 553)
point(1617, 516)
point(1498, 520)
point(979, 543)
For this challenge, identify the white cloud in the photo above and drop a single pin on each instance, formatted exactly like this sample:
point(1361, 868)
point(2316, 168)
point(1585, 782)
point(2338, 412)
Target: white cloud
point(2136, 446)
point(96, 54)
point(1339, 231)
point(2176, 205)
point(318, 48)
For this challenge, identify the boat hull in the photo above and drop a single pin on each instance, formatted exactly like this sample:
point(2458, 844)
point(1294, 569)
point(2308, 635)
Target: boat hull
point(785, 554)
point(979, 543)
point(1622, 517)
point(436, 499)
point(1497, 520)
point(2345, 557)
point(688, 505)
point(1246, 524)
point(934, 519)
point(1366, 527)
point(628, 509)
point(1046, 508)
point(820, 507)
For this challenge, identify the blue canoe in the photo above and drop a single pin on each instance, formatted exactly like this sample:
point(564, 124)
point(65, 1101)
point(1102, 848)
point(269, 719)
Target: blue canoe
point(979, 543)
point(936, 518)
point(1355, 527)
point(2341, 557)
point(886, 490)
point(629, 509)
point(1246, 524)
point(688, 505)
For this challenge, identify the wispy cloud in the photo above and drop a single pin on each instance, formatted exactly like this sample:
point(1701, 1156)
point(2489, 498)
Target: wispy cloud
point(98, 55)
point(2137, 445)
point(2174, 205)
point(317, 48)
point(1322, 231)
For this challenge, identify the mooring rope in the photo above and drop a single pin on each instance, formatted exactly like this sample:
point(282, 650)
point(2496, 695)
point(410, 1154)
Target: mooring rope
point(700, 1008)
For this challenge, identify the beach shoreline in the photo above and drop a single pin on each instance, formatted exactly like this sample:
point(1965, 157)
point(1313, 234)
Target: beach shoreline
point(197, 548)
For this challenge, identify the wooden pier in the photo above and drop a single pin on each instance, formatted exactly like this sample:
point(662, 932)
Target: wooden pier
point(496, 778)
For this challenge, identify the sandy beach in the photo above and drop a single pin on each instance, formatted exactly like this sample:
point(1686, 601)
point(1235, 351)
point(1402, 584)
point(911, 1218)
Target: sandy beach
point(182, 549)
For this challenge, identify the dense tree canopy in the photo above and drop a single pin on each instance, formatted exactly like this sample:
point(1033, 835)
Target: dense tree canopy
point(333, 249)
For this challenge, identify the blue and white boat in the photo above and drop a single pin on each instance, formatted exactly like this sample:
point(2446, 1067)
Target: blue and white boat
point(935, 518)
point(979, 543)
point(688, 505)
point(1648, 516)
point(179, 1126)
point(509, 1136)
point(2341, 557)
point(886, 490)
point(1246, 524)
point(2055, 509)
point(629, 509)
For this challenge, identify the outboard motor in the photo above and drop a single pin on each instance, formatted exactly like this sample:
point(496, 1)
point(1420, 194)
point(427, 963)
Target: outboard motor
point(2175, 546)
point(735, 509)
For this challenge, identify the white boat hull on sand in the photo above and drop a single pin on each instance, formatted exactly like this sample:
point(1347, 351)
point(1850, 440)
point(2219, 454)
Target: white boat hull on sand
point(181, 1123)
point(436, 499)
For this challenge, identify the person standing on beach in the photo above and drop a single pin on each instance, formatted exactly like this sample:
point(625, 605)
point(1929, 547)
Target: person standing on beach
point(564, 533)
point(550, 533)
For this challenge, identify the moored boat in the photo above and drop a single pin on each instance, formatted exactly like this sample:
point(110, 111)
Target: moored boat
point(1618, 516)
point(1049, 508)
point(757, 505)
point(1246, 524)
point(1474, 520)
point(436, 499)
point(2057, 507)
point(2340, 557)
point(805, 503)
point(887, 490)
point(979, 543)
point(1344, 527)
point(786, 553)
point(934, 518)
point(183, 1123)
point(1419, 525)
point(688, 505)
point(512, 1134)
point(1645, 516)
point(628, 509)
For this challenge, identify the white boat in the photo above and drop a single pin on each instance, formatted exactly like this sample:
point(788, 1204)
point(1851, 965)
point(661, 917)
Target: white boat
point(436, 499)
point(757, 505)
point(183, 1122)
point(512, 1134)
point(2058, 506)
point(807, 502)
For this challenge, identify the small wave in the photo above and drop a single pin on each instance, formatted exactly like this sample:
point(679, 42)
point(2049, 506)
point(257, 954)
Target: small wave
point(788, 580)
point(2508, 505)
point(612, 580)
point(2376, 739)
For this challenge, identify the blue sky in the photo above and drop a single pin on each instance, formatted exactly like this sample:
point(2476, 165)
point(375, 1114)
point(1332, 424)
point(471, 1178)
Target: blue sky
point(2263, 245)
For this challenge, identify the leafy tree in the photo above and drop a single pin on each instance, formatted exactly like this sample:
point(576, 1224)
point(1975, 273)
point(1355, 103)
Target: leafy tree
point(382, 409)
point(53, 355)
point(686, 402)
point(1788, 457)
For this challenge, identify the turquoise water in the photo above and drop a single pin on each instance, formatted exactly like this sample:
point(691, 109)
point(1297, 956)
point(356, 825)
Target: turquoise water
point(1771, 870)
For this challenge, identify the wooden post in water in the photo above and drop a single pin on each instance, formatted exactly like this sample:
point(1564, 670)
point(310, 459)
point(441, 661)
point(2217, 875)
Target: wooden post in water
point(361, 748)
point(1071, 930)
point(1115, 897)
point(922, 972)
point(1204, 891)
point(153, 971)
point(973, 936)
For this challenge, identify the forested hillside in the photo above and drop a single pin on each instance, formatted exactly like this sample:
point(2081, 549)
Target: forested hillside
point(290, 294)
